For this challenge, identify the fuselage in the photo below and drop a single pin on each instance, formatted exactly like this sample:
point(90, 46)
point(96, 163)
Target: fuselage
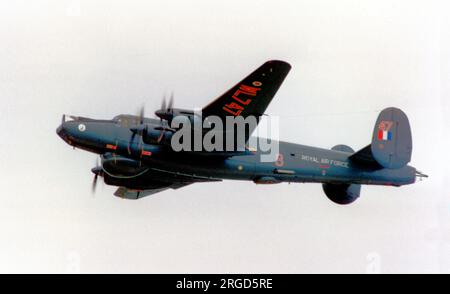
point(293, 162)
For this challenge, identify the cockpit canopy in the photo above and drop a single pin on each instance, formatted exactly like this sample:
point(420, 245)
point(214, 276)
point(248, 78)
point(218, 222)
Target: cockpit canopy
point(127, 120)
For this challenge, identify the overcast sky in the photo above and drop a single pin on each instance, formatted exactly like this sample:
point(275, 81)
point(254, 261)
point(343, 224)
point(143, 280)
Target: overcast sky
point(350, 59)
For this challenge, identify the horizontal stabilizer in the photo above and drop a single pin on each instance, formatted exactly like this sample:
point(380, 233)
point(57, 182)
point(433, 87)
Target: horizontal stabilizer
point(365, 158)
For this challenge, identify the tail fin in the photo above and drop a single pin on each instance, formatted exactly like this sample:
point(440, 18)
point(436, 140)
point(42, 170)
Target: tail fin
point(391, 145)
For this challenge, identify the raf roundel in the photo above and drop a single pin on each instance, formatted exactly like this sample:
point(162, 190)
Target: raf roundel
point(81, 127)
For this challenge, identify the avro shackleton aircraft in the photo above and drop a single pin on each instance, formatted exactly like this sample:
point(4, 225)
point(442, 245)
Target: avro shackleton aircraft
point(137, 155)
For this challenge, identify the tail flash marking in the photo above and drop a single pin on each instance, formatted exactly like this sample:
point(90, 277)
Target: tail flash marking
point(384, 135)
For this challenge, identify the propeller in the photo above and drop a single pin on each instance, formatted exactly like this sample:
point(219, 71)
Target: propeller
point(96, 170)
point(170, 106)
point(94, 184)
point(163, 131)
point(166, 108)
point(140, 129)
point(141, 115)
point(163, 103)
point(63, 119)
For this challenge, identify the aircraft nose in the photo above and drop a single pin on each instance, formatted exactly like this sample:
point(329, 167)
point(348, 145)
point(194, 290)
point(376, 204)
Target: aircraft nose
point(66, 131)
point(89, 134)
point(60, 130)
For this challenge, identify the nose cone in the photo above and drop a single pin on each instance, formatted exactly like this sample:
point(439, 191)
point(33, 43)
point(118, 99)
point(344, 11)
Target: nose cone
point(63, 132)
point(60, 131)
point(68, 131)
point(88, 134)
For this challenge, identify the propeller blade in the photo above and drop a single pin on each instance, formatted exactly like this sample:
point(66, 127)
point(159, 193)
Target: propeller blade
point(144, 131)
point(94, 184)
point(165, 129)
point(131, 142)
point(163, 103)
point(170, 101)
point(96, 171)
point(63, 119)
point(137, 129)
point(141, 115)
point(163, 132)
point(161, 136)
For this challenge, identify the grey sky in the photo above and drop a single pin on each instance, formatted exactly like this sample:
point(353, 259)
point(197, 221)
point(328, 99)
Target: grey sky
point(350, 59)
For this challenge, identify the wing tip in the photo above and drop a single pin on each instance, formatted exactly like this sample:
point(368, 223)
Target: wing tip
point(280, 63)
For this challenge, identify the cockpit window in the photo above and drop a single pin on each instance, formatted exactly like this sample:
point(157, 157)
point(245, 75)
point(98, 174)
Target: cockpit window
point(126, 121)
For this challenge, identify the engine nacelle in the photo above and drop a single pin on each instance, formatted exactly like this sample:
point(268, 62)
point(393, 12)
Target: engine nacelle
point(171, 113)
point(122, 171)
point(121, 167)
point(342, 193)
point(157, 136)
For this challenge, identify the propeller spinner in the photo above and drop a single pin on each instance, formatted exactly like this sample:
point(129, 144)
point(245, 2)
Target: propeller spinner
point(166, 111)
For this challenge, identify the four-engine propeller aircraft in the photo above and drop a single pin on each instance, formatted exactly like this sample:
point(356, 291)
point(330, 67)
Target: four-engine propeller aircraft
point(137, 155)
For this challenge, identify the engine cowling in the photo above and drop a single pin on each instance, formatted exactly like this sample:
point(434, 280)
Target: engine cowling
point(121, 167)
point(157, 136)
point(342, 193)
